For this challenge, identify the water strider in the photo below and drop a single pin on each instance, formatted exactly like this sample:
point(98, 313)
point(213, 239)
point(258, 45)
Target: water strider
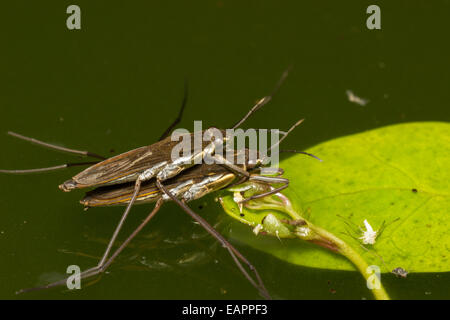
point(149, 174)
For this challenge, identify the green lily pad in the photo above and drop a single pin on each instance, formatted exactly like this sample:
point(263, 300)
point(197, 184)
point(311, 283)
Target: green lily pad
point(397, 175)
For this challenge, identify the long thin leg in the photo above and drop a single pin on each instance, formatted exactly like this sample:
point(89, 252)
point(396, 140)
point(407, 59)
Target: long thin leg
point(242, 180)
point(265, 100)
point(236, 169)
point(127, 241)
point(247, 176)
point(55, 147)
point(257, 177)
point(110, 244)
point(62, 166)
point(102, 267)
point(180, 113)
point(275, 171)
point(235, 254)
point(267, 180)
point(137, 188)
point(265, 194)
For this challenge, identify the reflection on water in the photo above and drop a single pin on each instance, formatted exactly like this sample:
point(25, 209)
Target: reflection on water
point(155, 250)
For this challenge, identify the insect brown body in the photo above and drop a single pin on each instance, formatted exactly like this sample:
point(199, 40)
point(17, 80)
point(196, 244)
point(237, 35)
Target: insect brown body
point(149, 174)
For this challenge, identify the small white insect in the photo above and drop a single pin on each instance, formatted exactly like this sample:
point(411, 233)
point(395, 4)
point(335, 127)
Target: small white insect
point(369, 236)
point(355, 99)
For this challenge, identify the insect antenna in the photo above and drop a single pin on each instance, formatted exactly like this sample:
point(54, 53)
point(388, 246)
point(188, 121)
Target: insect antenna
point(261, 102)
point(62, 166)
point(180, 113)
point(55, 147)
point(302, 152)
point(285, 134)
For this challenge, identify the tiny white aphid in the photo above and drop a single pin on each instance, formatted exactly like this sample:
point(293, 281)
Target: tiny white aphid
point(369, 236)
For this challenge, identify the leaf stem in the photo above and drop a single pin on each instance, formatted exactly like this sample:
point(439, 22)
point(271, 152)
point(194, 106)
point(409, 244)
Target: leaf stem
point(330, 241)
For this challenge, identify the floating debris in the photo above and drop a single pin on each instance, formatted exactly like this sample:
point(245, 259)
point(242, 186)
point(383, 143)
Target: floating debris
point(400, 272)
point(192, 258)
point(155, 265)
point(355, 99)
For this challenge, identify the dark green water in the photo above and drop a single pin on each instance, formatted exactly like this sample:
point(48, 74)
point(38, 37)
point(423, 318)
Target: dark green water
point(117, 83)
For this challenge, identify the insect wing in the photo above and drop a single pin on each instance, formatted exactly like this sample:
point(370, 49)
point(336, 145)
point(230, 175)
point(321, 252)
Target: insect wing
point(125, 167)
